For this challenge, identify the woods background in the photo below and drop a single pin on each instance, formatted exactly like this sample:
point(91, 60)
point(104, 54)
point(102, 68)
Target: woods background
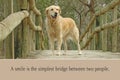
point(86, 13)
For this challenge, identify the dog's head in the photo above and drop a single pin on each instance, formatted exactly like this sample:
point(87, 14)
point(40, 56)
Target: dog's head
point(53, 11)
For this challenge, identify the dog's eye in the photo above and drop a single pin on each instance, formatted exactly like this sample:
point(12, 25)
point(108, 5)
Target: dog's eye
point(51, 9)
point(57, 9)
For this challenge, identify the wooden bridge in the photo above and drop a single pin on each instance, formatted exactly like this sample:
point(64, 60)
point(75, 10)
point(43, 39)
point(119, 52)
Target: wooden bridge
point(21, 34)
point(72, 54)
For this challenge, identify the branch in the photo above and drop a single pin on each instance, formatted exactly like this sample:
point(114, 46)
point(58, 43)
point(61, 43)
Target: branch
point(33, 26)
point(84, 3)
point(76, 10)
point(33, 7)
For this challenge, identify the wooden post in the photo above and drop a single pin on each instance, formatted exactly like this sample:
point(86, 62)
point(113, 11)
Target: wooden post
point(32, 32)
point(25, 39)
point(38, 40)
point(118, 38)
point(2, 53)
point(98, 35)
point(12, 32)
point(18, 42)
point(92, 44)
point(8, 40)
point(18, 32)
point(104, 34)
point(95, 37)
point(39, 35)
point(115, 32)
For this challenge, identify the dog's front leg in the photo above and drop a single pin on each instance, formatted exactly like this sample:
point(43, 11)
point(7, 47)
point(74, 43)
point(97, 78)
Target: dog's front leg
point(51, 45)
point(59, 44)
point(65, 47)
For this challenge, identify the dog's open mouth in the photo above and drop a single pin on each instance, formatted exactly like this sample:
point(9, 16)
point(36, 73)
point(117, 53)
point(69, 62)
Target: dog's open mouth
point(54, 16)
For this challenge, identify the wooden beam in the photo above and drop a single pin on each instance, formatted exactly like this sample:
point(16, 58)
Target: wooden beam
point(10, 23)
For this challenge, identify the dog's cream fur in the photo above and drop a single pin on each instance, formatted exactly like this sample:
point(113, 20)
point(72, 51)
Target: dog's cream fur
point(60, 29)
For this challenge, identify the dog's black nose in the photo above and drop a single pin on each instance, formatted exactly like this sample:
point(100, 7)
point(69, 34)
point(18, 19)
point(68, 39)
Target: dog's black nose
point(55, 13)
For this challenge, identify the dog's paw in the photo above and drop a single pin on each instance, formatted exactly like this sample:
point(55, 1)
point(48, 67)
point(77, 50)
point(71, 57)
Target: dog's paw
point(58, 53)
point(79, 53)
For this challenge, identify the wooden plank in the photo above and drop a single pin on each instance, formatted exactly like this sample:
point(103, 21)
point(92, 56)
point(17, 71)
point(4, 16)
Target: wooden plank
point(73, 54)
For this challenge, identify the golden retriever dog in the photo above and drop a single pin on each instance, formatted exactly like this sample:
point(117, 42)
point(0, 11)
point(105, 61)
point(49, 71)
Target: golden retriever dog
point(60, 29)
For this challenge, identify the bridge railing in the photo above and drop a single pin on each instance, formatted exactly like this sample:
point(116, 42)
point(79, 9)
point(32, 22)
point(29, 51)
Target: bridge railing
point(98, 38)
point(31, 25)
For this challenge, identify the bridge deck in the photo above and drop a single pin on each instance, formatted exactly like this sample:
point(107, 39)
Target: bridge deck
point(72, 54)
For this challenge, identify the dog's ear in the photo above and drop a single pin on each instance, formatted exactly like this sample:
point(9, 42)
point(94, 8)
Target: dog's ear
point(46, 10)
point(59, 10)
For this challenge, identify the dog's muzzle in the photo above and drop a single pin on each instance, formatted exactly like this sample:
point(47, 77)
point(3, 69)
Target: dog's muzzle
point(55, 15)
